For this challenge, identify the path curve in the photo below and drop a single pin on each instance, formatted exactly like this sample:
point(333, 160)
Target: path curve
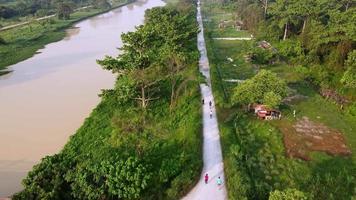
point(212, 156)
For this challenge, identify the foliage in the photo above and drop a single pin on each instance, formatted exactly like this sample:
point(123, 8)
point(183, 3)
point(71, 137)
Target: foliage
point(309, 33)
point(255, 161)
point(290, 49)
point(352, 109)
point(46, 181)
point(109, 179)
point(2, 41)
point(349, 77)
point(6, 12)
point(272, 100)
point(254, 90)
point(39, 7)
point(104, 4)
point(171, 34)
point(262, 56)
point(64, 9)
point(288, 194)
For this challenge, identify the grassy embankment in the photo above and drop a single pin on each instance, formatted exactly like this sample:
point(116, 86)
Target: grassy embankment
point(23, 42)
point(254, 154)
point(124, 151)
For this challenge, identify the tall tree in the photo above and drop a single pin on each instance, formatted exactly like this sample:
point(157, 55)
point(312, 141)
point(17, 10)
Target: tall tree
point(177, 33)
point(304, 9)
point(283, 14)
point(64, 9)
point(136, 60)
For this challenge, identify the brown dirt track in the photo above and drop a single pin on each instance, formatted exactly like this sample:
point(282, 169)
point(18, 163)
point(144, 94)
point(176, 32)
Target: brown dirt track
point(306, 136)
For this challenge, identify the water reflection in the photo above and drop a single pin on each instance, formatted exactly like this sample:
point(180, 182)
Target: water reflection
point(71, 32)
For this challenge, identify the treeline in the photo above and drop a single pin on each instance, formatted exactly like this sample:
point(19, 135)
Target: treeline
point(143, 139)
point(318, 35)
point(46, 7)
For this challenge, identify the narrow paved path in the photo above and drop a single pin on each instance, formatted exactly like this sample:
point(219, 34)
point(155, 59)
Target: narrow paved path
point(234, 38)
point(213, 162)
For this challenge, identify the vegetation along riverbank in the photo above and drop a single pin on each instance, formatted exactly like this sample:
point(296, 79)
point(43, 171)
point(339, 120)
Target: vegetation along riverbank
point(22, 42)
point(301, 63)
point(143, 141)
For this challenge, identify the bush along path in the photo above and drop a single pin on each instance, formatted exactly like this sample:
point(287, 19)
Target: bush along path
point(213, 162)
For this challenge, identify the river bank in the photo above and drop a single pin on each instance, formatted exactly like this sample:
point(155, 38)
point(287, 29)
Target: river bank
point(47, 97)
point(153, 147)
point(24, 41)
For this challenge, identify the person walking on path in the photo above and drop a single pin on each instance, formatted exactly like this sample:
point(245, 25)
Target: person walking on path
point(210, 104)
point(206, 178)
point(202, 101)
point(211, 114)
point(219, 181)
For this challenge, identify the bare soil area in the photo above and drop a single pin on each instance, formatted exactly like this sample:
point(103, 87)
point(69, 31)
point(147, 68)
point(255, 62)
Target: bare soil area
point(306, 136)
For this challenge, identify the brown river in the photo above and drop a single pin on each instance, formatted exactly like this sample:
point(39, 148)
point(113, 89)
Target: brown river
point(47, 97)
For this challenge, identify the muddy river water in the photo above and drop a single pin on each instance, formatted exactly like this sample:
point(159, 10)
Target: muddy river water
point(47, 97)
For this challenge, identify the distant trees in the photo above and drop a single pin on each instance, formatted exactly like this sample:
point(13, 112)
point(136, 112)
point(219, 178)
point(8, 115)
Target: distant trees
point(101, 4)
point(64, 9)
point(251, 13)
point(7, 12)
point(325, 32)
point(45, 7)
point(265, 87)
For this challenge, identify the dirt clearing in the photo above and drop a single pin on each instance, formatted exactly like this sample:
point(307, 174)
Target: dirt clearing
point(306, 136)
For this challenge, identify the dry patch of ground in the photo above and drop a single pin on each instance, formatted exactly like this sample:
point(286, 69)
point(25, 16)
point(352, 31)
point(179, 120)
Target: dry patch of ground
point(306, 136)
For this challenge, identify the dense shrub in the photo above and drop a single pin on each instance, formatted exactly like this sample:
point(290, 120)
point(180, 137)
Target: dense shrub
point(290, 50)
point(288, 194)
point(263, 56)
point(2, 41)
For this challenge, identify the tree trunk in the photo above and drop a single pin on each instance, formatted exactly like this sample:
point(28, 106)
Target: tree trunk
point(174, 82)
point(285, 31)
point(347, 6)
point(304, 24)
point(173, 70)
point(143, 97)
point(266, 7)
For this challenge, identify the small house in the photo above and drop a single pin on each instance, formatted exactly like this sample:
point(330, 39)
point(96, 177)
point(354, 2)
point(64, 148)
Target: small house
point(264, 113)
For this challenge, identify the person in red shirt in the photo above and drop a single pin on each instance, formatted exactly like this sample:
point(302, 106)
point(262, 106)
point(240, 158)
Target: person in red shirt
point(206, 178)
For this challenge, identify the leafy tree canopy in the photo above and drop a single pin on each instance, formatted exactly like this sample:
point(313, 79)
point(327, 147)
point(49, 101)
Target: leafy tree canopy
point(264, 86)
